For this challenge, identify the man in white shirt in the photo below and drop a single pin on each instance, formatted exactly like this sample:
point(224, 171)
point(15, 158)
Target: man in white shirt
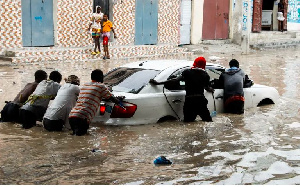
point(36, 105)
point(57, 113)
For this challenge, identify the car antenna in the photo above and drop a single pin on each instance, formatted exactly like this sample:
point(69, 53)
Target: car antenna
point(141, 64)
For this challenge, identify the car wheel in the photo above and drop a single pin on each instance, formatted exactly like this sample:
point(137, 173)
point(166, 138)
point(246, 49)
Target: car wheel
point(166, 118)
point(266, 101)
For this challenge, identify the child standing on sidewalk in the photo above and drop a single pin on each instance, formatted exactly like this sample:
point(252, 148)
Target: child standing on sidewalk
point(107, 26)
point(96, 28)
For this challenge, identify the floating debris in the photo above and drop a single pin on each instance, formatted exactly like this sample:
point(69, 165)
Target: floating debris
point(162, 160)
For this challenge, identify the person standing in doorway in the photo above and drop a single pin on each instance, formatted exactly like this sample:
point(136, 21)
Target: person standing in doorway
point(95, 24)
point(280, 16)
point(107, 26)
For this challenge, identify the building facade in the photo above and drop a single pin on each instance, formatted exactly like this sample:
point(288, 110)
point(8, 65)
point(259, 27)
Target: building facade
point(33, 27)
point(226, 19)
point(36, 30)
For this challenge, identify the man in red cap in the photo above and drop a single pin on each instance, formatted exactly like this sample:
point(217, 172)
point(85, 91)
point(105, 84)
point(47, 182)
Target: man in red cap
point(196, 80)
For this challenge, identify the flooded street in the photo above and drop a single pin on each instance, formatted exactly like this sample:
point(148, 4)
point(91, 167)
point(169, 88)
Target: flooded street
point(262, 146)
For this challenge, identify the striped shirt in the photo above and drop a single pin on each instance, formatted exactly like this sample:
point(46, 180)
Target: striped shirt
point(89, 100)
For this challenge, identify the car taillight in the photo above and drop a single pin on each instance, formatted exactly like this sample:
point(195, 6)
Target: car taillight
point(102, 109)
point(119, 112)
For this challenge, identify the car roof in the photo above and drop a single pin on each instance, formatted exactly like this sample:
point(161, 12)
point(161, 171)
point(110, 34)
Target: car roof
point(164, 64)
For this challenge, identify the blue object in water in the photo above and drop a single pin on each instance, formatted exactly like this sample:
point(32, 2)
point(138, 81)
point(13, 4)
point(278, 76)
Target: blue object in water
point(162, 160)
point(96, 150)
point(213, 114)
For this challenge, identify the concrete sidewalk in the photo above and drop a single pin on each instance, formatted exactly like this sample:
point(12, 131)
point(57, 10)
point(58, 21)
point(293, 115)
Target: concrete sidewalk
point(209, 48)
point(56, 53)
point(5, 62)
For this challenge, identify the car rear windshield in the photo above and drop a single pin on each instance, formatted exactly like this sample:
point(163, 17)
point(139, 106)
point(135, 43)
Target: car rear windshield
point(130, 80)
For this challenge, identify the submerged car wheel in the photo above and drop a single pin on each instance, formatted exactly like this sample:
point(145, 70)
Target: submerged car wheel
point(166, 118)
point(266, 101)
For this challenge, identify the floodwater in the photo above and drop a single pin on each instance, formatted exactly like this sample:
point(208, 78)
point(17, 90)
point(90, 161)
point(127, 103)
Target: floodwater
point(262, 146)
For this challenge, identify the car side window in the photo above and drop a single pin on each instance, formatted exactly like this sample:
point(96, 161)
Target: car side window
point(176, 85)
point(214, 73)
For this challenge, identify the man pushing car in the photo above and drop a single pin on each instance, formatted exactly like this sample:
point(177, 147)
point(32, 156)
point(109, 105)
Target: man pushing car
point(196, 80)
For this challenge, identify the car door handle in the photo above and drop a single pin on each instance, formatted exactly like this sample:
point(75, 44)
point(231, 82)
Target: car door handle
point(176, 101)
point(219, 97)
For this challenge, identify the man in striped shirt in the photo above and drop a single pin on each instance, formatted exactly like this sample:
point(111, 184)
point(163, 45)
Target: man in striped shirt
point(88, 103)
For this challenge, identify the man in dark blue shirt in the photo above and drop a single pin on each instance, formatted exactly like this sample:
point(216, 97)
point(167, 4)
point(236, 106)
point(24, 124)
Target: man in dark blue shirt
point(232, 81)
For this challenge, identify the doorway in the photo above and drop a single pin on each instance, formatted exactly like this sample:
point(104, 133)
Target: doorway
point(259, 9)
point(37, 23)
point(215, 19)
point(185, 21)
point(146, 22)
point(104, 6)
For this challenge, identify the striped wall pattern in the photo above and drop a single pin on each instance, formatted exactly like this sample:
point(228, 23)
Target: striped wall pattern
point(73, 33)
point(124, 21)
point(168, 21)
point(72, 22)
point(72, 19)
point(10, 24)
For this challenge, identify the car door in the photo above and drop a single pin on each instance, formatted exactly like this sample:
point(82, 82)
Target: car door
point(215, 73)
point(175, 94)
point(248, 94)
point(218, 94)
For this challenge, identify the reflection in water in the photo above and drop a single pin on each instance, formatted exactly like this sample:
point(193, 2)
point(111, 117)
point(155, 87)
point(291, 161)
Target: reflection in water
point(258, 147)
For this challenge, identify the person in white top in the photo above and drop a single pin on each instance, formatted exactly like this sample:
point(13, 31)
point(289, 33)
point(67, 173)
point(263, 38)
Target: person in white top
point(95, 24)
point(56, 116)
point(36, 105)
point(280, 14)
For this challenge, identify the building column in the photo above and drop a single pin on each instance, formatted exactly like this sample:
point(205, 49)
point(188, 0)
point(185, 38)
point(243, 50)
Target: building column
point(285, 3)
point(246, 27)
point(236, 21)
point(197, 21)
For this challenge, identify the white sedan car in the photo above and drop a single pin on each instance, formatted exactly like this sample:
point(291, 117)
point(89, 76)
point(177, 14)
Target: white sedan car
point(146, 103)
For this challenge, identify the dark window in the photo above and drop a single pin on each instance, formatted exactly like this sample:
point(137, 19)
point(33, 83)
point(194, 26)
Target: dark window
point(214, 73)
point(104, 6)
point(176, 85)
point(268, 4)
point(130, 80)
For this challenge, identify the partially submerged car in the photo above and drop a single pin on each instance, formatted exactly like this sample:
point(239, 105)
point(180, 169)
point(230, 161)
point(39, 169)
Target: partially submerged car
point(145, 103)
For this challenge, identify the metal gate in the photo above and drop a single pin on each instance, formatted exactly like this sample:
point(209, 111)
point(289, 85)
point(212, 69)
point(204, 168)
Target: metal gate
point(37, 23)
point(146, 21)
point(185, 21)
point(104, 6)
point(215, 19)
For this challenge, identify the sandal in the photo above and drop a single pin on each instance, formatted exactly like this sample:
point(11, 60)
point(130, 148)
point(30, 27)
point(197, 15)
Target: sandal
point(93, 53)
point(108, 57)
point(104, 58)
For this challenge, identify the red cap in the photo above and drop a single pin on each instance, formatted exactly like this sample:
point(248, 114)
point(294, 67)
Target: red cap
point(199, 62)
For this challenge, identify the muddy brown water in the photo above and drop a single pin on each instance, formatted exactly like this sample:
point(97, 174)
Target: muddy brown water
point(261, 146)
